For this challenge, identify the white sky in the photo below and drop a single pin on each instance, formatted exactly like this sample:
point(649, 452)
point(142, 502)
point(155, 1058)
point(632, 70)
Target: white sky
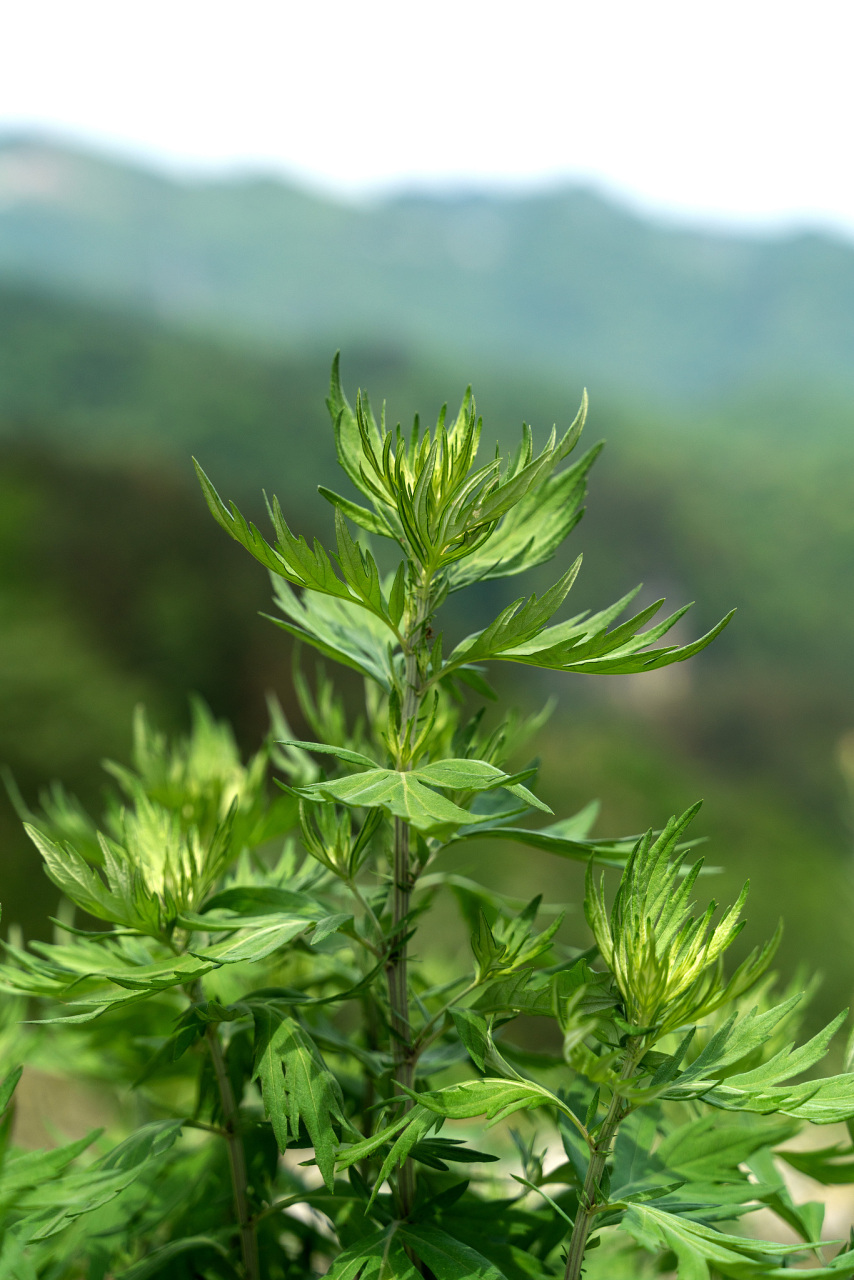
point(733, 110)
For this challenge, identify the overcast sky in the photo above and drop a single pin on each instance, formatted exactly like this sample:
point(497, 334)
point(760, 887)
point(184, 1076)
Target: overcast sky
point(737, 110)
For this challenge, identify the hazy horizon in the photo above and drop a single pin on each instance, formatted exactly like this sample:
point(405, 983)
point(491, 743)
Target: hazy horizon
point(724, 115)
point(185, 172)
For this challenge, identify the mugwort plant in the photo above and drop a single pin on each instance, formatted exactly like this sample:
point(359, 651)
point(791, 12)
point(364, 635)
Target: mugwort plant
point(298, 1086)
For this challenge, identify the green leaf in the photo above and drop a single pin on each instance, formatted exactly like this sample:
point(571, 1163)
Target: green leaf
point(7, 1088)
point(582, 644)
point(435, 1151)
point(332, 923)
point(55, 1202)
point(380, 1256)
point(359, 569)
point(474, 1033)
point(710, 1150)
point(97, 976)
point(267, 935)
point(397, 594)
point(263, 899)
point(399, 793)
point(823, 1101)
point(338, 629)
point(156, 1261)
point(229, 922)
point(370, 521)
point(806, 1219)
point(447, 1258)
point(341, 753)
point(606, 853)
point(517, 992)
point(475, 775)
point(80, 882)
point(831, 1166)
point(296, 562)
point(665, 962)
point(789, 1061)
point(349, 442)
point(530, 532)
point(405, 795)
point(27, 1169)
point(519, 622)
point(737, 1038)
point(493, 1098)
point(407, 1131)
point(296, 1085)
point(696, 1246)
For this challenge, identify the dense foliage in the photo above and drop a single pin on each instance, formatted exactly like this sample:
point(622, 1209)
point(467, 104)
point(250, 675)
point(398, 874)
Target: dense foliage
point(239, 957)
point(106, 560)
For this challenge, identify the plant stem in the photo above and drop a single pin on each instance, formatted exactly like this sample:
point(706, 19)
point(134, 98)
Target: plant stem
point(398, 994)
point(236, 1156)
point(403, 883)
point(600, 1149)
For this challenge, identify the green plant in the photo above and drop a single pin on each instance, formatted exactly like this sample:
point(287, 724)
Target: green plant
point(258, 991)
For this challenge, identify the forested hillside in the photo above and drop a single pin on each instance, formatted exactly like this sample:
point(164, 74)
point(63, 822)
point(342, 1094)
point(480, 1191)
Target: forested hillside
point(563, 281)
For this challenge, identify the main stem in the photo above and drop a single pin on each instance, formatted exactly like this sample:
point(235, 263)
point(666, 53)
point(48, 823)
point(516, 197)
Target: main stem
point(403, 883)
point(236, 1156)
point(588, 1204)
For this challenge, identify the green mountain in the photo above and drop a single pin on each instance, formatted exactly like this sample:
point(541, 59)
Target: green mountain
point(563, 281)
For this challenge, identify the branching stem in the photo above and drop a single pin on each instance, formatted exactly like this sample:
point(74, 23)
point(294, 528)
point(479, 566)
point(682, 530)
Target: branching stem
point(425, 1039)
point(403, 884)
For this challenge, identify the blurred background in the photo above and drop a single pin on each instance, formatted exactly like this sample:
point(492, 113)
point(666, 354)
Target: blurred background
point(200, 203)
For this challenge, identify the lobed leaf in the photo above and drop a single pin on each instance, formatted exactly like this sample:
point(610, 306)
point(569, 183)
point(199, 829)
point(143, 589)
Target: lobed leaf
point(296, 1085)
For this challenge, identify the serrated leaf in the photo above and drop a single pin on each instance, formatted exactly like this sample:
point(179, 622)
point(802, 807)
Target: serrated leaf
point(709, 1150)
point(516, 992)
point(380, 1256)
point(338, 629)
point(696, 1246)
point(80, 882)
point(494, 1098)
point(404, 1134)
point(530, 532)
point(581, 644)
point(331, 924)
point(54, 1202)
point(447, 1258)
point(296, 1085)
point(822, 1101)
point(473, 1032)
